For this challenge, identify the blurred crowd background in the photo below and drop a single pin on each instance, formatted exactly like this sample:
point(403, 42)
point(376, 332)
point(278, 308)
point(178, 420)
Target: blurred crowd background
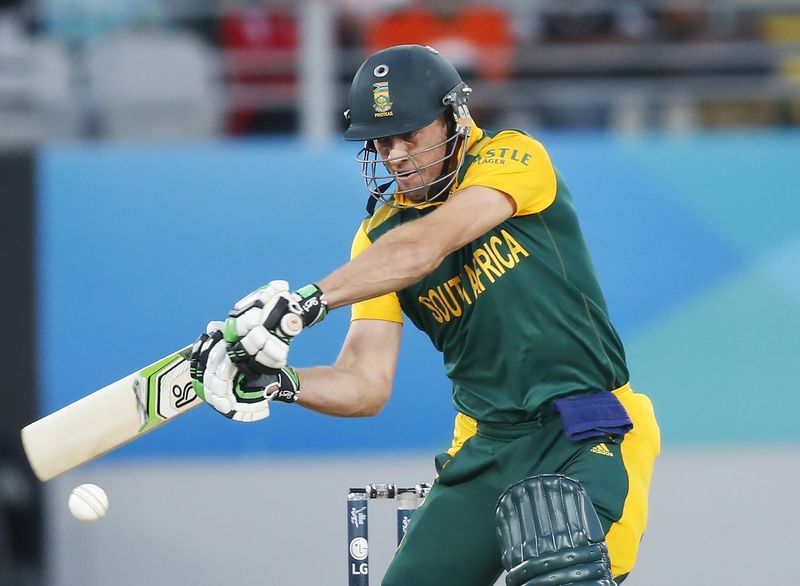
point(700, 266)
point(90, 68)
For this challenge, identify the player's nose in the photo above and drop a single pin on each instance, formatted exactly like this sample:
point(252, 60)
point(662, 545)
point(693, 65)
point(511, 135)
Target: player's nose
point(397, 155)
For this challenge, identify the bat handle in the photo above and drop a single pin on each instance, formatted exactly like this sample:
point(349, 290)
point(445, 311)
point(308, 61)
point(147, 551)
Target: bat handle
point(291, 324)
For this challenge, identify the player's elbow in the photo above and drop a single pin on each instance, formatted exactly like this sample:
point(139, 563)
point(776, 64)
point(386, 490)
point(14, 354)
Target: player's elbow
point(427, 258)
point(376, 395)
point(419, 259)
point(371, 410)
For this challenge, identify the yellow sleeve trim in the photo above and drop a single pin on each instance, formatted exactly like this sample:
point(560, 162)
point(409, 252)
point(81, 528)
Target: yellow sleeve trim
point(382, 214)
point(520, 167)
point(386, 307)
point(361, 241)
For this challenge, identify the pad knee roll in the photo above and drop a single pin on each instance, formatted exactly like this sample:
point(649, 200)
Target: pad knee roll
point(550, 534)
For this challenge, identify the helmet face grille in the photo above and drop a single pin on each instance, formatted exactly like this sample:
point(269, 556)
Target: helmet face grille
point(379, 178)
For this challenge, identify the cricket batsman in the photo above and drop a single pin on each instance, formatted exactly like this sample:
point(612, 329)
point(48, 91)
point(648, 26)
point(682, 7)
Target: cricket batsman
point(473, 237)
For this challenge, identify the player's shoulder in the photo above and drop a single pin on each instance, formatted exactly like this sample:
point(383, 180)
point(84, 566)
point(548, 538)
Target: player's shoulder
point(383, 219)
point(507, 150)
point(515, 138)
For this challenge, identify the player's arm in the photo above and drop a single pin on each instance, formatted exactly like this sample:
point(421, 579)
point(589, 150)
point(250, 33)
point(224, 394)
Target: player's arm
point(357, 385)
point(360, 382)
point(407, 253)
point(263, 324)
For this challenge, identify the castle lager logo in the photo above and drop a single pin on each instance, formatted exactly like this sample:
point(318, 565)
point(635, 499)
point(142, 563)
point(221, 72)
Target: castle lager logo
point(381, 100)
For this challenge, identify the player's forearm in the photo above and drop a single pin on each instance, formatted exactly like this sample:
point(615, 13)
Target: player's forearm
point(341, 391)
point(396, 260)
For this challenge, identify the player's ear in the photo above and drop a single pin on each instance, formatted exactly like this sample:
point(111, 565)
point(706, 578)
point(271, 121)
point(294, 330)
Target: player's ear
point(449, 121)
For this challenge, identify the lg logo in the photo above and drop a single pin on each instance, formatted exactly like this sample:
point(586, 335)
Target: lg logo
point(359, 548)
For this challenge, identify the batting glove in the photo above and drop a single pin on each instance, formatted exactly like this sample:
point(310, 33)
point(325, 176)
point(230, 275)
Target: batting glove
point(262, 325)
point(235, 394)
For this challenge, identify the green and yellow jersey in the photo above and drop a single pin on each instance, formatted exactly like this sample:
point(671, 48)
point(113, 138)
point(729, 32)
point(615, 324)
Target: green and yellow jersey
point(518, 313)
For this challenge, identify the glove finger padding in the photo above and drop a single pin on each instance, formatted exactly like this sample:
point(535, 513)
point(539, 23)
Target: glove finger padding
point(198, 358)
point(217, 380)
point(262, 325)
point(259, 297)
point(234, 394)
point(549, 533)
point(260, 345)
point(214, 326)
point(264, 307)
point(259, 338)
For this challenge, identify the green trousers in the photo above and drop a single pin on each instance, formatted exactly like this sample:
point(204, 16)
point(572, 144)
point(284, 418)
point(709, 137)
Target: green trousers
point(452, 536)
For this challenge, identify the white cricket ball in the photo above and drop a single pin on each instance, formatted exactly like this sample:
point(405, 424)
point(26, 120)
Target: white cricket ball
point(88, 502)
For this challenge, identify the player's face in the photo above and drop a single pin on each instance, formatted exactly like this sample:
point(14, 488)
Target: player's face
point(415, 159)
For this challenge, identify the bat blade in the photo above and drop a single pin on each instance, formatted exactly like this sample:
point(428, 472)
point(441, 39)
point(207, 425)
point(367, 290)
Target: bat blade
point(110, 417)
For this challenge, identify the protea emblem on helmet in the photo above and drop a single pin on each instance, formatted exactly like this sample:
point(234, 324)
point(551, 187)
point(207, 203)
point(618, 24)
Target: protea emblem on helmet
point(382, 100)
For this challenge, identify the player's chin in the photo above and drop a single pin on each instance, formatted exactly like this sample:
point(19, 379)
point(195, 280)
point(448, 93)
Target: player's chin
point(416, 195)
point(412, 186)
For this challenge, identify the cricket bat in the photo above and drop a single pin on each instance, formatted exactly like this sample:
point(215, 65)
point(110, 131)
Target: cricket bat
point(111, 417)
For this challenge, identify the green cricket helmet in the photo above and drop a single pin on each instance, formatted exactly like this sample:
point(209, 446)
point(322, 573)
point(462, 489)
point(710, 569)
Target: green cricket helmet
point(398, 90)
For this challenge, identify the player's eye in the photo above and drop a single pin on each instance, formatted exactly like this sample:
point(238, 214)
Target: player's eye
point(386, 143)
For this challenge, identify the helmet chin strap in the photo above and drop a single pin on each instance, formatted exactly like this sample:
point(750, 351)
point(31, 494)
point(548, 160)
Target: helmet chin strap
point(451, 165)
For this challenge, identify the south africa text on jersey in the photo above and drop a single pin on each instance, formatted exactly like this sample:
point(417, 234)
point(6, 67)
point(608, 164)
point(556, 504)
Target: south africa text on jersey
point(490, 261)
